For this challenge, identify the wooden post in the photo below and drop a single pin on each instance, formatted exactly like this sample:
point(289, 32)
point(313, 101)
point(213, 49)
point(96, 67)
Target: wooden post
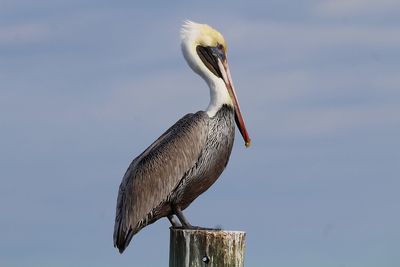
point(206, 248)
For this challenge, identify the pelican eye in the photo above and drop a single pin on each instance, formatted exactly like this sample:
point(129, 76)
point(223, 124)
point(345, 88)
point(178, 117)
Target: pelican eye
point(209, 55)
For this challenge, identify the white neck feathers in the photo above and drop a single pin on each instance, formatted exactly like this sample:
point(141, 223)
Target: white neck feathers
point(218, 96)
point(218, 93)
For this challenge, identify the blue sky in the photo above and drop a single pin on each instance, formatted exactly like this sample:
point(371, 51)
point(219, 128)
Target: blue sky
point(86, 86)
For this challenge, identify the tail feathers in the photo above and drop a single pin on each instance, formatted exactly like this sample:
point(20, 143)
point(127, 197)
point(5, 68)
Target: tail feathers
point(122, 238)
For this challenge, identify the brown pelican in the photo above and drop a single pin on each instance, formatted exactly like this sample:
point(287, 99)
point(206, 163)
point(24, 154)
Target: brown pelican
point(189, 157)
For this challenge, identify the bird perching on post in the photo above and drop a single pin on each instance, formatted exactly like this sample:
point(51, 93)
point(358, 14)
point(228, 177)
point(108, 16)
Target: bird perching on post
point(190, 156)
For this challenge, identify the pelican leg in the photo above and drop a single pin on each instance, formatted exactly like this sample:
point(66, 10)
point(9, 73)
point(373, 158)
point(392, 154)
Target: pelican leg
point(185, 223)
point(173, 221)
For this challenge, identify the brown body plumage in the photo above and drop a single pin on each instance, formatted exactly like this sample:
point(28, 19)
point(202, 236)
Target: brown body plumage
point(179, 166)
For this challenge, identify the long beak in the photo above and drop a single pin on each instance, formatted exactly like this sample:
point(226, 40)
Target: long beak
point(226, 75)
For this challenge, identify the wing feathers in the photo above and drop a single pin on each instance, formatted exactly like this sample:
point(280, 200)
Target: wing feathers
point(153, 175)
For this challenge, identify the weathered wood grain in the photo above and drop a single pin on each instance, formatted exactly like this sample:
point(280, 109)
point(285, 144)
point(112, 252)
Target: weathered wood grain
point(206, 248)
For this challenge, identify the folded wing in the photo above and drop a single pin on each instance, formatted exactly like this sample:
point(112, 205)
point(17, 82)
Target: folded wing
point(153, 175)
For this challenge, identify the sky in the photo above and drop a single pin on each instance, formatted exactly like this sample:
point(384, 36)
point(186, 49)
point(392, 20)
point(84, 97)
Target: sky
point(85, 86)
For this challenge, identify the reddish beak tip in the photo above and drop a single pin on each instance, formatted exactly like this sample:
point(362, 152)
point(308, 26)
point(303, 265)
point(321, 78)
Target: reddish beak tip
point(247, 143)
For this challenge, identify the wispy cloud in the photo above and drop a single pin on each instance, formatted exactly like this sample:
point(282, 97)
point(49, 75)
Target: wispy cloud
point(322, 122)
point(357, 7)
point(264, 36)
point(26, 33)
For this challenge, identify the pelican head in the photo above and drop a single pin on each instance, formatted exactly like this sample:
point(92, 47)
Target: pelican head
point(205, 50)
